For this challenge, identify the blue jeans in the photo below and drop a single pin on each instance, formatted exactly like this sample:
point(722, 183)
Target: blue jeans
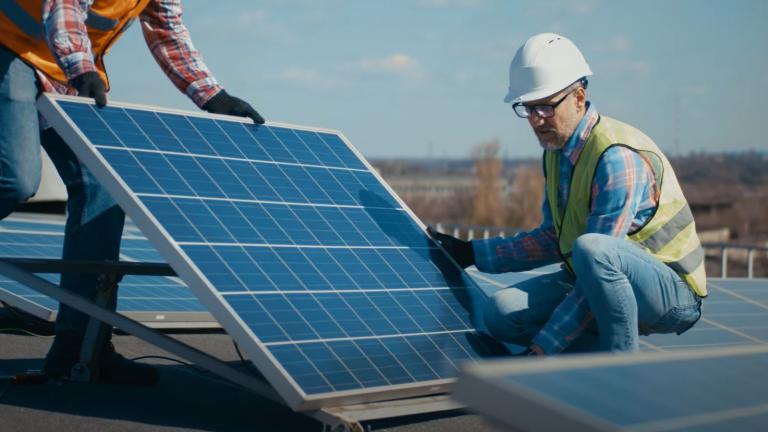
point(628, 291)
point(94, 222)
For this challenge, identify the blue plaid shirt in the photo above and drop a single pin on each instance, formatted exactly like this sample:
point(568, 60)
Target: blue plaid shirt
point(623, 199)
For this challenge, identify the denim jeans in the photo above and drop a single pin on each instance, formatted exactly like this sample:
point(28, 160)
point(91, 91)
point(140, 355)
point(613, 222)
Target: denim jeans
point(629, 292)
point(94, 222)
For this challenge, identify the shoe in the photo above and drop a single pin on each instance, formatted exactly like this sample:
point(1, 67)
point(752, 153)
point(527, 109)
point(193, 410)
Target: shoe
point(63, 354)
point(116, 369)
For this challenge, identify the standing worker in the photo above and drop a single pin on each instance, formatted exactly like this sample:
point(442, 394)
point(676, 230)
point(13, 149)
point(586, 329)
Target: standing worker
point(614, 213)
point(59, 46)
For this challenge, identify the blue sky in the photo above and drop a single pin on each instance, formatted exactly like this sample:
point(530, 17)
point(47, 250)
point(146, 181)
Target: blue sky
point(412, 78)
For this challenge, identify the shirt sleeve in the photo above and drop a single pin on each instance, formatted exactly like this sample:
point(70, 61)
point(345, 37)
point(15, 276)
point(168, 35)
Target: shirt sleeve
point(520, 252)
point(171, 46)
point(621, 182)
point(67, 35)
point(566, 323)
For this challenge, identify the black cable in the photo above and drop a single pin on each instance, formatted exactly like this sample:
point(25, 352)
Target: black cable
point(200, 372)
point(204, 374)
point(13, 330)
point(23, 317)
point(246, 363)
point(15, 313)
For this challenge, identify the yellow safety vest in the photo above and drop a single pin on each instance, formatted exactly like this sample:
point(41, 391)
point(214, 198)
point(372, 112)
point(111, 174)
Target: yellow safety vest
point(670, 234)
point(23, 33)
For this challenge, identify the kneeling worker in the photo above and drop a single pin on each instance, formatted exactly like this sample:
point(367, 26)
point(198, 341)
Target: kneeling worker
point(614, 213)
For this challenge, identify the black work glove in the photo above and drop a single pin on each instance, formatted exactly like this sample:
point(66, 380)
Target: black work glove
point(90, 85)
point(461, 250)
point(224, 103)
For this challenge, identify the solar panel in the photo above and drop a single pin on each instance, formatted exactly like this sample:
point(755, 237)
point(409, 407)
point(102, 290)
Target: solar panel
point(293, 242)
point(154, 300)
point(721, 389)
point(735, 313)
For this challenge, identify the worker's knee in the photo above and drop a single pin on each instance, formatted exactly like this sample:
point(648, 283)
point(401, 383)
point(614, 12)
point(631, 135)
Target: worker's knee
point(15, 190)
point(504, 317)
point(593, 249)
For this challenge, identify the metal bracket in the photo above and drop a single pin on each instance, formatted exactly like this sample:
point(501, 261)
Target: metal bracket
point(96, 333)
point(110, 274)
point(346, 418)
point(139, 330)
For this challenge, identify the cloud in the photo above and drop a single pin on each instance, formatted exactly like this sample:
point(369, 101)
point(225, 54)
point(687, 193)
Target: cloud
point(451, 3)
point(570, 7)
point(633, 68)
point(256, 24)
point(582, 6)
point(310, 78)
point(615, 44)
point(398, 64)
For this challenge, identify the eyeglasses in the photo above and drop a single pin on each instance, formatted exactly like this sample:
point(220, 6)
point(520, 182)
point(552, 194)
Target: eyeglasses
point(543, 111)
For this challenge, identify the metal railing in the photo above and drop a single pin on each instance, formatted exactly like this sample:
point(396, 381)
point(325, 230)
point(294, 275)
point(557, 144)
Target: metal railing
point(725, 247)
point(475, 232)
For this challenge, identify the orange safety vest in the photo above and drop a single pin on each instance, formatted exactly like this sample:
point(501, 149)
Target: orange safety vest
point(23, 33)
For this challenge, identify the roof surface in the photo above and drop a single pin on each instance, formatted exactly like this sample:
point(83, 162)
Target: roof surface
point(184, 400)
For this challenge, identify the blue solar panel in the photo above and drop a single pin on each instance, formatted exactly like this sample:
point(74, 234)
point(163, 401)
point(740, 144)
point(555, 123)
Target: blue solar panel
point(715, 390)
point(153, 300)
point(294, 244)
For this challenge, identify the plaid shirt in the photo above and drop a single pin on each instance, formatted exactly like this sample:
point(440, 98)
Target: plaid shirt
point(623, 199)
point(165, 34)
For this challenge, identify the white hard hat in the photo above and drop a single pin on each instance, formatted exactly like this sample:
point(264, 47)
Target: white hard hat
point(544, 65)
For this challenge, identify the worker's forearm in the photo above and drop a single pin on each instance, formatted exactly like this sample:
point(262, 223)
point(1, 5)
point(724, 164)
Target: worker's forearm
point(67, 35)
point(171, 46)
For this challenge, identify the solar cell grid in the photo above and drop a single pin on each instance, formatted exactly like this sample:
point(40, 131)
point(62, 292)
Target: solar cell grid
point(717, 389)
point(34, 236)
point(292, 241)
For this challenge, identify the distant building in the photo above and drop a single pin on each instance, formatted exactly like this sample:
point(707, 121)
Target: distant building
point(437, 185)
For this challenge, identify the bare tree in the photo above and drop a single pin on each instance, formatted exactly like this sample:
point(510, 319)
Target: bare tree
point(487, 209)
point(523, 205)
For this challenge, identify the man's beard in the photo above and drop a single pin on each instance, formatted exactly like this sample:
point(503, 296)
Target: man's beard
point(552, 144)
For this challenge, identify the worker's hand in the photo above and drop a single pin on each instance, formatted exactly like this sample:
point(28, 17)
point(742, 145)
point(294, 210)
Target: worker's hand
point(461, 250)
point(224, 103)
point(90, 85)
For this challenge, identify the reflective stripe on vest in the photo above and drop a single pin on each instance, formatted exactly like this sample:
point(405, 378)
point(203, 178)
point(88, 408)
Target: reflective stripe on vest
point(24, 34)
point(670, 235)
point(98, 22)
point(670, 230)
point(22, 19)
point(690, 262)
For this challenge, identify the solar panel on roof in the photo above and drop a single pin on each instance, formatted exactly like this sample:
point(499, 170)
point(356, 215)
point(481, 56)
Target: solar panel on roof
point(154, 300)
point(293, 242)
point(715, 390)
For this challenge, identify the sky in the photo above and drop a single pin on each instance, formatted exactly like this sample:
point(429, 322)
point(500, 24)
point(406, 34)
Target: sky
point(426, 78)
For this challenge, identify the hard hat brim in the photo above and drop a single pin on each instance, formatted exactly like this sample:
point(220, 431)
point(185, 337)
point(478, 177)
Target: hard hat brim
point(514, 97)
